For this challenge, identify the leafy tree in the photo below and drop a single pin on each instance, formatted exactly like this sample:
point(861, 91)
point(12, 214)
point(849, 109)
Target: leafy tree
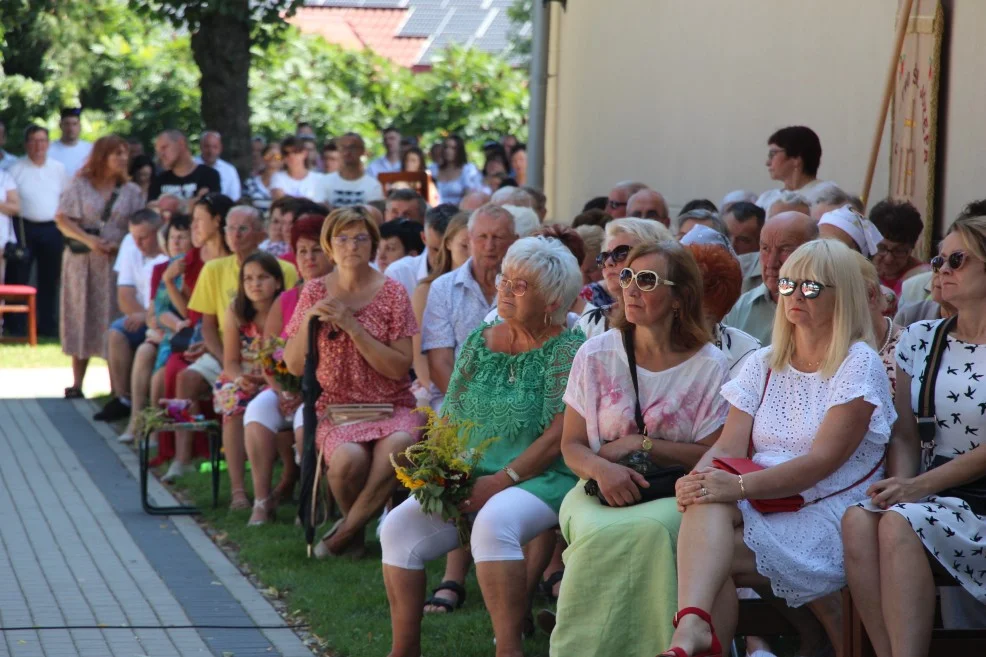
point(521, 13)
point(222, 33)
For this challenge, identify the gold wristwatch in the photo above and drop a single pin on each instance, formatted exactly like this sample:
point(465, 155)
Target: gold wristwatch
point(646, 444)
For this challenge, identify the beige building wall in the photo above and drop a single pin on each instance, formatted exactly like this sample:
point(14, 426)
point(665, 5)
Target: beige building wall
point(682, 94)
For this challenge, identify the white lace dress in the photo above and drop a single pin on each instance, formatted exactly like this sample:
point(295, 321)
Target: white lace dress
point(801, 552)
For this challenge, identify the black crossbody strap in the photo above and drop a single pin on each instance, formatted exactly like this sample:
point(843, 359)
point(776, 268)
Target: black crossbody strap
point(926, 398)
point(632, 361)
point(21, 225)
point(108, 208)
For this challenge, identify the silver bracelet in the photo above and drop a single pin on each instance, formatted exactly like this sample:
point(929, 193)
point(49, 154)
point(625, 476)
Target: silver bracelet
point(512, 474)
point(742, 488)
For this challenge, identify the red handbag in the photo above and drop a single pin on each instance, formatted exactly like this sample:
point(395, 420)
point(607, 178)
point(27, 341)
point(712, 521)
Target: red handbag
point(741, 466)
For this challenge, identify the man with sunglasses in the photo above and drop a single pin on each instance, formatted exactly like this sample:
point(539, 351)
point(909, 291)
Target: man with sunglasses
point(648, 204)
point(780, 236)
point(619, 197)
point(180, 175)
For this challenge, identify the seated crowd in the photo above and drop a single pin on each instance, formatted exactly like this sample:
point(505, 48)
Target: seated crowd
point(813, 385)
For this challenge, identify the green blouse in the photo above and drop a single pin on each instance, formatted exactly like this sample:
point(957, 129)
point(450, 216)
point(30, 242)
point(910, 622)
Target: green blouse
point(514, 398)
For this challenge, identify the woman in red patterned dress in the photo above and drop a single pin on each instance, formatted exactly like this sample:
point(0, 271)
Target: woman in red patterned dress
point(364, 357)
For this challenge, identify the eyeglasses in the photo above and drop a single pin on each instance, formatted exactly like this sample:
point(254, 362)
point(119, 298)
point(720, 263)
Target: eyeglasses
point(516, 287)
point(615, 205)
point(616, 256)
point(773, 152)
point(955, 260)
point(646, 280)
point(810, 289)
point(358, 240)
point(273, 157)
point(896, 251)
point(237, 230)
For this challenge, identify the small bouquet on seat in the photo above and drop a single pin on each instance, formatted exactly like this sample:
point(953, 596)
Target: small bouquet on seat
point(168, 411)
point(438, 470)
point(271, 357)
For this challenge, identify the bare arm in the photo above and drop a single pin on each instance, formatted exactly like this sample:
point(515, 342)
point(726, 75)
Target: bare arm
point(178, 298)
point(12, 205)
point(734, 440)
point(69, 227)
point(275, 321)
point(232, 367)
point(393, 360)
point(904, 454)
point(441, 362)
point(418, 300)
point(210, 336)
point(126, 298)
point(541, 453)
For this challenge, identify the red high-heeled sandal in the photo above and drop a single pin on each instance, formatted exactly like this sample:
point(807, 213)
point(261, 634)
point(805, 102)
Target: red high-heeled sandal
point(715, 650)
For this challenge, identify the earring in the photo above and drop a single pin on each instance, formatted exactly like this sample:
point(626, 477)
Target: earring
point(546, 319)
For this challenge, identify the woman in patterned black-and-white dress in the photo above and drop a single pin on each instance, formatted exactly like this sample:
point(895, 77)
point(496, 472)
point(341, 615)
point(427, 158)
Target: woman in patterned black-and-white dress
point(921, 515)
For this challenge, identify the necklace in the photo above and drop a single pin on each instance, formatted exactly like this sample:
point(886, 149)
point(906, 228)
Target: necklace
point(807, 363)
point(537, 341)
point(890, 332)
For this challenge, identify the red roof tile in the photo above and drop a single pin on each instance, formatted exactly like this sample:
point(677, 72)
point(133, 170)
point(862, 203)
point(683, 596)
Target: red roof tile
point(356, 28)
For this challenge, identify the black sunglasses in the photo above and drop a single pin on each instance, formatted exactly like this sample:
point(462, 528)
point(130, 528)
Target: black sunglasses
point(616, 256)
point(955, 260)
point(811, 289)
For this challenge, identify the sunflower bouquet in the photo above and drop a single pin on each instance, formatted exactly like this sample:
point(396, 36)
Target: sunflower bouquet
point(438, 469)
point(271, 357)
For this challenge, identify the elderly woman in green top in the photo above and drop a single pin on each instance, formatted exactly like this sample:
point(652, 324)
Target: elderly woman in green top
point(509, 380)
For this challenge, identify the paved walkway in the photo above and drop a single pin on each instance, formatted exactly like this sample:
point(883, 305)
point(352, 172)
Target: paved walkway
point(42, 382)
point(77, 551)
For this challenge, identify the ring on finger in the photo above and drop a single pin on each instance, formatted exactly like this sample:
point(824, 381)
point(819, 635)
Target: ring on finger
point(704, 491)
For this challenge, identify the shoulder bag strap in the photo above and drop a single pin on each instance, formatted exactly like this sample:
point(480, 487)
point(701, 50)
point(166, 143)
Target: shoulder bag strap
point(763, 395)
point(108, 208)
point(20, 224)
point(632, 361)
point(855, 483)
point(927, 422)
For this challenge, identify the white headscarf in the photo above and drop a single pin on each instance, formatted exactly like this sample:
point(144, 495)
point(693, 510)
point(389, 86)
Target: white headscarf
point(859, 228)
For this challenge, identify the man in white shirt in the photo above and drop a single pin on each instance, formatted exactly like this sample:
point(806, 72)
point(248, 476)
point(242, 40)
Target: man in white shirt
point(211, 146)
point(350, 185)
point(40, 182)
point(139, 252)
point(6, 159)
point(71, 151)
point(391, 160)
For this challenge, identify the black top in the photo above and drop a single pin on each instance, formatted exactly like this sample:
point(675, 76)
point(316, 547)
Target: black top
point(185, 187)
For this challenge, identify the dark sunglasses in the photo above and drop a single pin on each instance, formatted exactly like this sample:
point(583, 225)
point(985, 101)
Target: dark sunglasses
point(615, 205)
point(810, 289)
point(955, 260)
point(616, 256)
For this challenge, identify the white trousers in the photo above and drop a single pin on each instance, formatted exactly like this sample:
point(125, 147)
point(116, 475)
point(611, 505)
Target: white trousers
point(410, 538)
point(263, 409)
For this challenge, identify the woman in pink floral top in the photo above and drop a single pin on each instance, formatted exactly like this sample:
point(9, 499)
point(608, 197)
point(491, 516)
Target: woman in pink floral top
point(364, 357)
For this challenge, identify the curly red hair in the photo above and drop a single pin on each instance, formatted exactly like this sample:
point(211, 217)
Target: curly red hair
point(566, 236)
point(96, 168)
point(722, 278)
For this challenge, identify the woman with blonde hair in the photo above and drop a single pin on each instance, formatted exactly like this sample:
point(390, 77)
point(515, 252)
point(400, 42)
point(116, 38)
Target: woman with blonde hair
point(917, 522)
point(649, 390)
point(364, 357)
point(92, 215)
point(813, 412)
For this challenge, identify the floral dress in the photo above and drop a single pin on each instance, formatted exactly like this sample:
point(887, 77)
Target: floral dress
point(88, 300)
point(947, 526)
point(231, 396)
point(347, 378)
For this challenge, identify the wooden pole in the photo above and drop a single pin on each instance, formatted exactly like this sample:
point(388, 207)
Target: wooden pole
point(903, 19)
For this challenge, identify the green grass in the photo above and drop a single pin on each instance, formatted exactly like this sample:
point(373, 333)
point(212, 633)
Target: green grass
point(345, 601)
point(48, 353)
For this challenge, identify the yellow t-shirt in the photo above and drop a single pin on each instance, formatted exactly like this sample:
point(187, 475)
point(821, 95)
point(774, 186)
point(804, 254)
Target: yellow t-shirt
point(217, 285)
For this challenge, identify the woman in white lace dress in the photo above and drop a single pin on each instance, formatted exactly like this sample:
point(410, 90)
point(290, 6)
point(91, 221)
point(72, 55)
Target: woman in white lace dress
point(938, 516)
point(817, 405)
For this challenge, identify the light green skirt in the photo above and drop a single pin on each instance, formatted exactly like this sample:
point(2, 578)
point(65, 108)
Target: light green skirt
point(620, 588)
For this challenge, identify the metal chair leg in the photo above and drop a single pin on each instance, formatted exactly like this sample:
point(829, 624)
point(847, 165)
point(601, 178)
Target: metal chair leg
point(215, 441)
point(150, 509)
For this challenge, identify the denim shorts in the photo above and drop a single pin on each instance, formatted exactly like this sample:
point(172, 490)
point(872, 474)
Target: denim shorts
point(134, 338)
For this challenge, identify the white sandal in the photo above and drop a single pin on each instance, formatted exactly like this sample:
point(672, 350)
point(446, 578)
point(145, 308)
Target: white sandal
point(262, 506)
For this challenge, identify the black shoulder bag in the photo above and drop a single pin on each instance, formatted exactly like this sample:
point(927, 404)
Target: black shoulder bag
point(661, 479)
point(972, 493)
point(17, 251)
point(81, 248)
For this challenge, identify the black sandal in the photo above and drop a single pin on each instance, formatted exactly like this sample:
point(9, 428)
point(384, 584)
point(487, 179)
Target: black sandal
point(74, 393)
point(447, 605)
point(547, 586)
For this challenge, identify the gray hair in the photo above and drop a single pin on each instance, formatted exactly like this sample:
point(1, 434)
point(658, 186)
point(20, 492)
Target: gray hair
point(631, 186)
point(644, 230)
point(714, 221)
point(539, 198)
point(145, 216)
point(493, 212)
point(210, 133)
point(830, 194)
point(557, 273)
point(512, 196)
point(253, 213)
point(525, 220)
point(735, 197)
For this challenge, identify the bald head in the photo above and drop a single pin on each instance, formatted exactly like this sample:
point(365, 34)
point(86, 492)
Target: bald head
point(780, 236)
point(616, 205)
point(473, 201)
point(648, 204)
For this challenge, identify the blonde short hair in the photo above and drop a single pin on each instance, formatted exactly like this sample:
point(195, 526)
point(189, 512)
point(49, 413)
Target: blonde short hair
point(972, 229)
point(592, 238)
point(342, 218)
point(872, 279)
point(554, 269)
point(835, 265)
point(645, 230)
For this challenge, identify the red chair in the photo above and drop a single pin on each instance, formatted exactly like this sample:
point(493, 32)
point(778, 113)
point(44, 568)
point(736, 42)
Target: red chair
point(20, 299)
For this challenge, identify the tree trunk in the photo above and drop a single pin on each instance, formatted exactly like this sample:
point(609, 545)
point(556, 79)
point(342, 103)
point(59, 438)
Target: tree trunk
point(221, 48)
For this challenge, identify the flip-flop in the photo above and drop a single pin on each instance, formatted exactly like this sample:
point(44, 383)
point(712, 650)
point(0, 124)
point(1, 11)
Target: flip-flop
point(447, 605)
point(321, 551)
